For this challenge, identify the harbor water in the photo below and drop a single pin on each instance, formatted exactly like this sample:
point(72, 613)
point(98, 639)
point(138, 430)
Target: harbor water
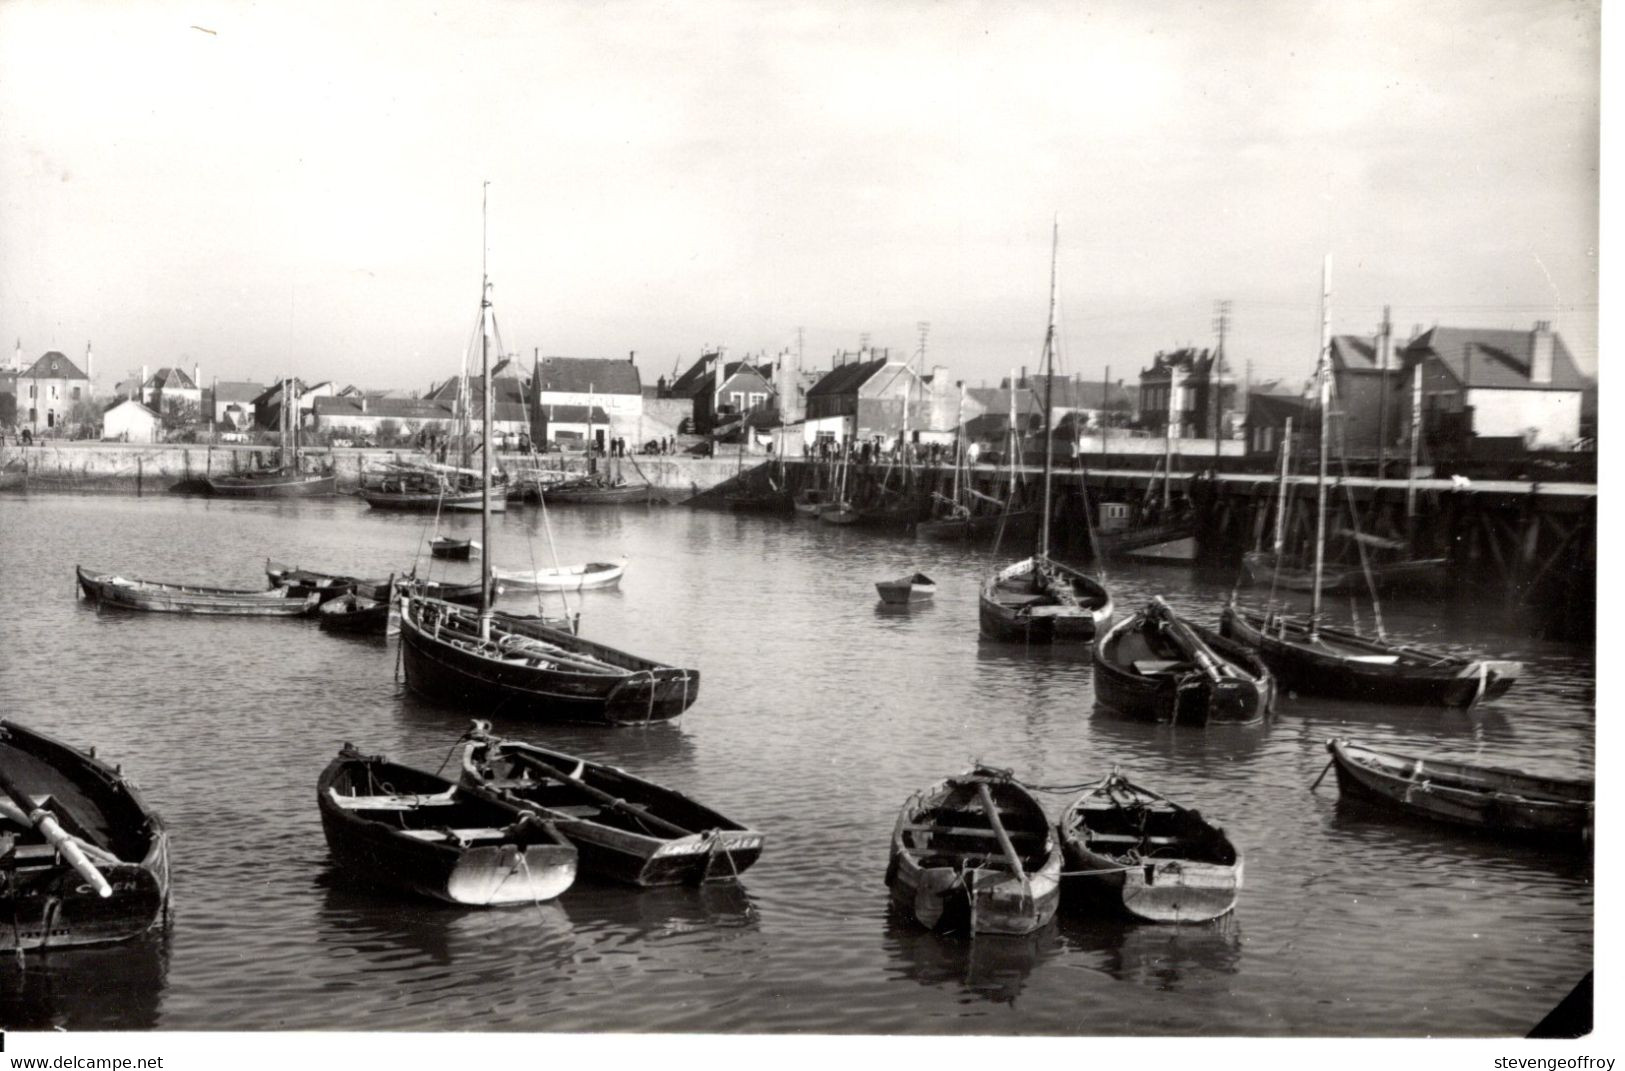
point(819, 713)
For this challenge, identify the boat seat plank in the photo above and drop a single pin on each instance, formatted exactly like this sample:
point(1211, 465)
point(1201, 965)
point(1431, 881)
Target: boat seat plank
point(27, 853)
point(1151, 666)
point(483, 833)
point(1374, 659)
point(968, 831)
point(392, 802)
point(1130, 838)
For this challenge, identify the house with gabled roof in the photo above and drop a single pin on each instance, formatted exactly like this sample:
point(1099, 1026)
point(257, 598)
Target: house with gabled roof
point(722, 390)
point(174, 391)
point(47, 391)
point(231, 401)
point(1494, 383)
point(128, 421)
point(613, 387)
point(863, 397)
point(380, 419)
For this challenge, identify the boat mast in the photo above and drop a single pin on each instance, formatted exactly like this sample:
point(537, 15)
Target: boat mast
point(1280, 508)
point(959, 440)
point(1014, 439)
point(1416, 445)
point(1049, 385)
point(1323, 378)
point(485, 433)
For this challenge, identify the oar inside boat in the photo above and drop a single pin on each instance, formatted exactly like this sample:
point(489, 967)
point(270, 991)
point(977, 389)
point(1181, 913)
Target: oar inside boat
point(60, 839)
point(1004, 837)
point(608, 799)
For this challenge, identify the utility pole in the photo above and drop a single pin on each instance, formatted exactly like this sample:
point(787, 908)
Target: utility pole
point(1385, 344)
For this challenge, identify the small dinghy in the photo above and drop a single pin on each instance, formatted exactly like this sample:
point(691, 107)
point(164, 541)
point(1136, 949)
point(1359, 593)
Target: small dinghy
point(454, 550)
point(1038, 600)
point(584, 577)
point(83, 859)
point(974, 854)
point(355, 613)
point(393, 825)
point(914, 588)
point(1487, 798)
point(1129, 850)
point(110, 589)
point(1160, 667)
point(302, 582)
point(626, 828)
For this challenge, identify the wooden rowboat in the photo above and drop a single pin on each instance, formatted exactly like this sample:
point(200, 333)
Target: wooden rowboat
point(301, 582)
point(1341, 664)
point(916, 587)
point(389, 824)
point(626, 828)
point(1129, 850)
point(810, 502)
point(584, 577)
point(70, 826)
point(975, 854)
point(454, 550)
point(110, 589)
point(274, 483)
point(1037, 600)
point(1160, 667)
point(596, 493)
point(1487, 798)
point(354, 613)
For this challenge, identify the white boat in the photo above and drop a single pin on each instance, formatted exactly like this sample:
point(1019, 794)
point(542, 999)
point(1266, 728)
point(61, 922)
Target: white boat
point(583, 577)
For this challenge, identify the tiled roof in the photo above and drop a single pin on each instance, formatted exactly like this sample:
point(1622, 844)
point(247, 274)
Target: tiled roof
point(846, 378)
point(171, 379)
point(236, 390)
point(1070, 393)
point(573, 414)
point(1500, 358)
point(1273, 409)
point(274, 392)
point(577, 375)
point(110, 406)
point(53, 366)
point(391, 408)
point(688, 384)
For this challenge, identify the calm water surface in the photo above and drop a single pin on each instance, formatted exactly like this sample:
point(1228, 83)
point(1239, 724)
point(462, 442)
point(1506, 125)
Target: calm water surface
point(819, 714)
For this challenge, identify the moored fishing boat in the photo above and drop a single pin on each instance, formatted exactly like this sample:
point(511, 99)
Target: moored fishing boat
point(110, 589)
point(72, 826)
point(389, 824)
point(809, 502)
point(584, 577)
point(599, 492)
point(1265, 569)
point(1130, 850)
point(354, 613)
point(1344, 665)
point(975, 854)
point(914, 588)
point(273, 483)
point(1489, 799)
point(625, 827)
point(301, 582)
point(1158, 666)
point(449, 549)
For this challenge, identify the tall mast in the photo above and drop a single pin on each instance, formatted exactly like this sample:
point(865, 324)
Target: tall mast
point(1280, 508)
point(485, 433)
point(1416, 445)
point(1049, 384)
point(1323, 378)
point(959, 440)
point(1015, 440)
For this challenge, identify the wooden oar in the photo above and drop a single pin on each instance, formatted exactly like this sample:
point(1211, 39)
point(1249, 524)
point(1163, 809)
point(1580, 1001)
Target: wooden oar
point(999, 831)
point(607, 798)
point(1187, 639)
point(60, 839)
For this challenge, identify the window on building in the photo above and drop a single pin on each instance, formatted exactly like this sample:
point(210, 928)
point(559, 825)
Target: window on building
point(76, 394)
point(33, 392)
point(53, 392)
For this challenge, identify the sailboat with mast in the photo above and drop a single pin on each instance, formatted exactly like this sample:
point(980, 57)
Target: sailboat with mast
point(523, 667)
point(1312, 659)
point(290, 478)
point(1037, 599)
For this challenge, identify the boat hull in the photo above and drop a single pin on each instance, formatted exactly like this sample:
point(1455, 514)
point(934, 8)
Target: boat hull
point(613, 842)
point(1131, 852)
point(280, 485)
point(1498, 802)
point(442, 667)
point(1180, 694)
point(1017, 525)
point(1298, 667)
point(1412, 574)
point(906, 590)
point(352, 613)
point(1011, 609)
point(420, 501)
point(49, 906)
point(590, 577)
point(600, 496)
point(107, 590)
point(947, 877)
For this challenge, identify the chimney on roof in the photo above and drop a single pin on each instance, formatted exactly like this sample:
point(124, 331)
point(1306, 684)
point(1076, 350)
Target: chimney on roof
point(1540, 352)
point(17, 361)
point(1385, 342)
point(631, 356)
point(1022, 382)
point(141, 387)
point(90, 365)
point(197, 376)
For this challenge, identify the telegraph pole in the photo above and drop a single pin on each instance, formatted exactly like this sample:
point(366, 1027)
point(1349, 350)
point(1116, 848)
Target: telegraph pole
point(1221, 324)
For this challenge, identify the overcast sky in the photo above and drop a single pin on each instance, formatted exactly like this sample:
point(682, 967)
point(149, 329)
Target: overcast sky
point(296, 186)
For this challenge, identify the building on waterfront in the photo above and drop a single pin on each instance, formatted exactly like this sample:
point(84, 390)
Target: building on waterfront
point(724, 391)
point(1365, 374)
point(862, 398)
point(1085, 404)
point(173, 393)
point(231, 402)
point(52, 396)
point(1269, 406)
point(1488, 383)
point(129, 421)
point(572, 426)
point(380, 420)
point(615, 387)
point(1177, 395)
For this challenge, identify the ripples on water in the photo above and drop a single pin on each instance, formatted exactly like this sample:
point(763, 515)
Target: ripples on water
point(819, 713)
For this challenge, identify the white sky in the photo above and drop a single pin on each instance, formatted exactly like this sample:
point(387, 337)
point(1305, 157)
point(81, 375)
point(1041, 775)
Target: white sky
point(300, 189)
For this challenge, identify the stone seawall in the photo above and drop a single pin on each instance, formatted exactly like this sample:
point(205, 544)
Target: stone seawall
point(154, 468)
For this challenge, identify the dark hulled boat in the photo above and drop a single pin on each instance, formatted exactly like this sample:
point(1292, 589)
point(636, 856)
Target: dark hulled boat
point(914, 588)
point(389, 824)
point(1500, 802)
point(110, 589)
point(302, 582)
point(1130, 850)
point(625, 827)
point(453, 550)
point(354, 613)
point(1265, 569)
point(274, 483)
point(599, 492)
point(74, 811)
point(1160, 667)
point(1343, 665)
point(974, 854)
point(1037, 600)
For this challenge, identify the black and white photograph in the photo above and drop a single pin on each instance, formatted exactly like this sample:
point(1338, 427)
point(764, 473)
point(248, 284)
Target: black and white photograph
point(1029, 530)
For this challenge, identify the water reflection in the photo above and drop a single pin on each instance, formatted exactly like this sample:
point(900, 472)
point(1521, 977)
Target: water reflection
point(1166, 958)
point(662, 913)
point(119, 987)
point(1364, 825)
point(988, 967)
